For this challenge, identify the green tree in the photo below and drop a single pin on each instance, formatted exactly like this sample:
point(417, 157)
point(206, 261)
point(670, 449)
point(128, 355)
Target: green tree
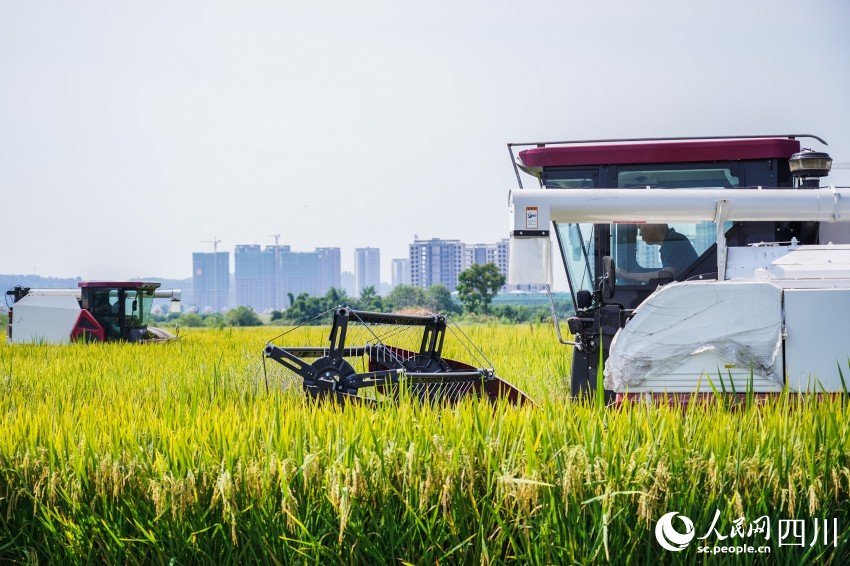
point(336, 297)
point(478, 285)
point(438, 298)
point(191, 319)
point(214, 320)
point(242, 316)
point(369, 300)
point(405, 296)
point(305, 308)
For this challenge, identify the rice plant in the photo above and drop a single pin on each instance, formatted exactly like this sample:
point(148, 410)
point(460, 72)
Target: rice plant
point(179, 453)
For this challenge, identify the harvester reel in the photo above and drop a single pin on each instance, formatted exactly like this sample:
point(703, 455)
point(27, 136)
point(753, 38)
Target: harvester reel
point(396, 356)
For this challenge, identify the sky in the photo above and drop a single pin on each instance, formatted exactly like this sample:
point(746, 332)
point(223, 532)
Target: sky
point(133, 134)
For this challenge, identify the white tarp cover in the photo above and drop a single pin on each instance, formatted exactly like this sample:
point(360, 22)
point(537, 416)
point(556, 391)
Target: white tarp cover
point(531, 261)
point(740, 320)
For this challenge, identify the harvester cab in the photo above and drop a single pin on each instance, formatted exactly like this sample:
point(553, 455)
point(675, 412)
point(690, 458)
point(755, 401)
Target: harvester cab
point(122, 309)
point(647, 218)
point(96, 311)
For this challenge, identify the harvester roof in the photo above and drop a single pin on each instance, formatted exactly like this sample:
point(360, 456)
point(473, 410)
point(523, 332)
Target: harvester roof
point(658, 152)
point(145, 285)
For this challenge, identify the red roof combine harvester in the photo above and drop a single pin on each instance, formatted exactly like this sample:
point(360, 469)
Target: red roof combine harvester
point(97, 311)
point(691, 259)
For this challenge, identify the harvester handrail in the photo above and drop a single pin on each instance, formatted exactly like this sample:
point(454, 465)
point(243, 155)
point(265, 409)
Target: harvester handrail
point(687, 138)
point(392, 318)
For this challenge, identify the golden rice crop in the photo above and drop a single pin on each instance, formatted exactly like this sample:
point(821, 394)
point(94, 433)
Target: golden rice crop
point(176, 453)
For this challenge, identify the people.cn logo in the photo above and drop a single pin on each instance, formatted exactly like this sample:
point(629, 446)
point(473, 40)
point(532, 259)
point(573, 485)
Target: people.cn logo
point(670, 538)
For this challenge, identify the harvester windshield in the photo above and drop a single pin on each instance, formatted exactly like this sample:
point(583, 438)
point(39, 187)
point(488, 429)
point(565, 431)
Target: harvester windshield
point(622, 240)
point(576, 241)
point(631, 252)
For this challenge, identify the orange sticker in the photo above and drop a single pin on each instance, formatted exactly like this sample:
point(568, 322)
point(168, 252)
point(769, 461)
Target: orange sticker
point(531, 218)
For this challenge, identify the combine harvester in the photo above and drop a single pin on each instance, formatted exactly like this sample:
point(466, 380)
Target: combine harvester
point(751, 287)
point(98, 311)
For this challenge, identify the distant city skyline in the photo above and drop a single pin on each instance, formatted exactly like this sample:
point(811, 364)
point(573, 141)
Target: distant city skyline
point(266, 278)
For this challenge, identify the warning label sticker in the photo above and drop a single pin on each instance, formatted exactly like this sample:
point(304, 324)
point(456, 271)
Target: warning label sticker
point(531, 218)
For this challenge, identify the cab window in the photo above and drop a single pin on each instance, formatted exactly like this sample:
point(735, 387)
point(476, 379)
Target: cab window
point(629, 250)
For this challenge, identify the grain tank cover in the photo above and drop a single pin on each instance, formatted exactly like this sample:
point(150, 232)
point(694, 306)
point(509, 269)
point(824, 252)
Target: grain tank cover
point(45, 319)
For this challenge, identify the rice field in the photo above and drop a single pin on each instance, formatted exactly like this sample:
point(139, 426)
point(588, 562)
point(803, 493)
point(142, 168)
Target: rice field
point(177, 454)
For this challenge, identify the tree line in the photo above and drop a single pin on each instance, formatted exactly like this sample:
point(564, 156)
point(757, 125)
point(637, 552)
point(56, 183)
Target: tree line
point(477, 286)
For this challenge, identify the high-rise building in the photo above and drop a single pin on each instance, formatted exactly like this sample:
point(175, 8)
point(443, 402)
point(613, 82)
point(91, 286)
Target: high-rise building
point(300, 273)
point(367, 269)
point(280, 300)
point(474, 254)
point(346, 281)
point(211, 280)
point(436, 261)
point(329, 269)
point(502, 257)
point(401, 272)
point(255, 277)
point(441, 261)
point(263, 278)
point(481, 254)
point(249, 276)
point(488, 253)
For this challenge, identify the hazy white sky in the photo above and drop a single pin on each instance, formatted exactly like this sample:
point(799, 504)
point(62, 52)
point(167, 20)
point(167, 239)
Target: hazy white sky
point(130, 133)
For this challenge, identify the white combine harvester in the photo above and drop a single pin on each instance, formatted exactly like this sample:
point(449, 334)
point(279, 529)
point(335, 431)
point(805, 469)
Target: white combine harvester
point(751, 287)
point(97, 311)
